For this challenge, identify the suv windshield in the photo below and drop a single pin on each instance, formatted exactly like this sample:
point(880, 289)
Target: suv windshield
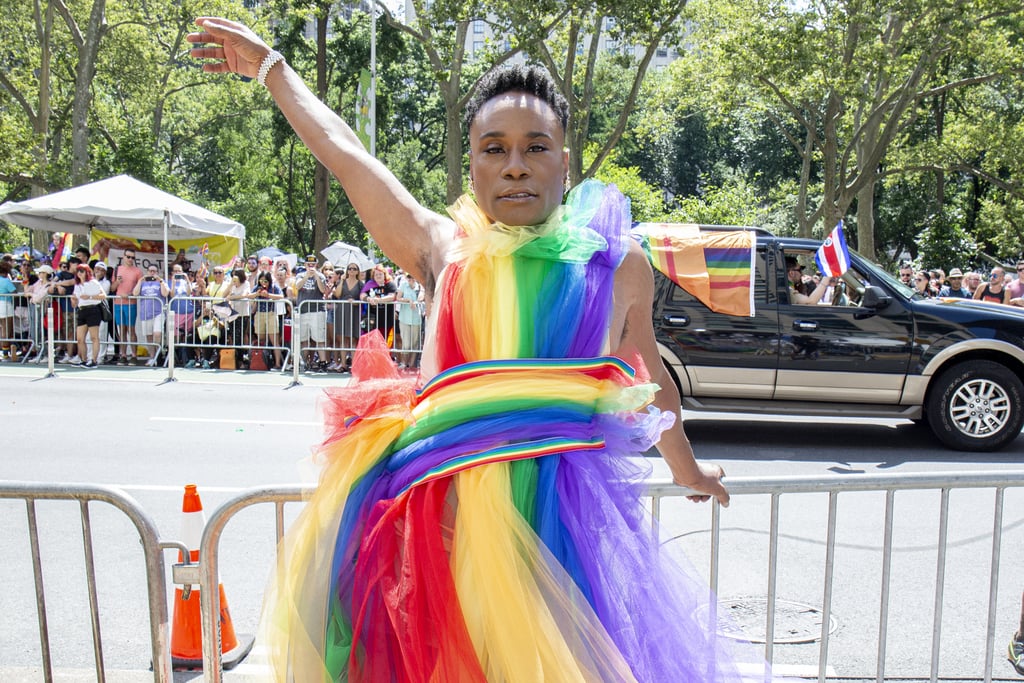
point(884, 275)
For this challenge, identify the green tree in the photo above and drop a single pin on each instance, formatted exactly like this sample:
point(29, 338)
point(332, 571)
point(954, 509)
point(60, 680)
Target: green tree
point(851, 78)
point(577, 55)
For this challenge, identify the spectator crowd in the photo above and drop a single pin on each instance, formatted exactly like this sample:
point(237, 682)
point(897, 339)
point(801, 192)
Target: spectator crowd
point(241, 317)
point(997, 286)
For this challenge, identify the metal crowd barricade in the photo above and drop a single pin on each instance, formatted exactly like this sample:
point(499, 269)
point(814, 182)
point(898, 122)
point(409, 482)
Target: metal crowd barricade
point(335, 317)
point(196, 330)
point(315, 330)
point(17, 341)
point(206, 572)
point(152, 547)
point(146, 315)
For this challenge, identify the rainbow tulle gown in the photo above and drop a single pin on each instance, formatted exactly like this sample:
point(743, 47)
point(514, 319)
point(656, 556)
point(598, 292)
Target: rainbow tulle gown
point(488, 526)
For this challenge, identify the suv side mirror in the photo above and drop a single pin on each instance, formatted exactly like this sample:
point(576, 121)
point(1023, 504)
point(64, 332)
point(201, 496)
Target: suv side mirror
point(874, 298)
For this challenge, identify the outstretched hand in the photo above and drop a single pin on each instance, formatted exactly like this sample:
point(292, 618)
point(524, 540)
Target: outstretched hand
point(239, 50)
point(709, 483)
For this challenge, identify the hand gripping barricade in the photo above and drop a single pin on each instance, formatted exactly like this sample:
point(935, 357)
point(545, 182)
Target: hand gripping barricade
point(186, 625)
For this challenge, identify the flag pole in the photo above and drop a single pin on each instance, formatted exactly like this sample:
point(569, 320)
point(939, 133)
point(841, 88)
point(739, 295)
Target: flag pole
point(373, 78)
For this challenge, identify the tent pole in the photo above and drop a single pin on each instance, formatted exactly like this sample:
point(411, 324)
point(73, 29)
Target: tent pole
point(167, 221)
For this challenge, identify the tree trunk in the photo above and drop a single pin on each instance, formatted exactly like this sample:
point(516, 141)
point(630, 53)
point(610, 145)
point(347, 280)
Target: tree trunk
point(453, 142)
point(41, 124)
point(88, 48)
point(866, 221)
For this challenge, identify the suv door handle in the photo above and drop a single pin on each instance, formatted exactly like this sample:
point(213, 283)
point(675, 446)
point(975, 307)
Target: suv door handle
point(677, 320)
point(805, 325)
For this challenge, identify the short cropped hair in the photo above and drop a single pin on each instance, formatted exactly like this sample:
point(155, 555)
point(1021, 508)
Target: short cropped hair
point(532, 80)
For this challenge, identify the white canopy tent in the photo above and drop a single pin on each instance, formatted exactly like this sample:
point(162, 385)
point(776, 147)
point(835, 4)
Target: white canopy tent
point(122, 205)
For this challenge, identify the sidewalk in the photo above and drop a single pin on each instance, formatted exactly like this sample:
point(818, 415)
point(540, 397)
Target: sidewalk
point(31, 371)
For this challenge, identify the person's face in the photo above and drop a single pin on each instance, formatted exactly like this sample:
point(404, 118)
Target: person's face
point(378, 275)
point(352, 271)
point(997, 275)
point(921, 282)
point(956, 282)
point(906, 276)
point(250, 264)
point(973, 281)
point(151, 271)
point(795, 274)
point(129, 258)
point(517, 159)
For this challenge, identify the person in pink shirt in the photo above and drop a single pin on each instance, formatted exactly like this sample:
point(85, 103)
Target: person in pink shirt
point(1016, 287)
point(126, 276)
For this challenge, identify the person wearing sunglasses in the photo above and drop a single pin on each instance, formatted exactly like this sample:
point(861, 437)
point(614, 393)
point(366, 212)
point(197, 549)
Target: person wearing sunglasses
point(310, 289)
point(923, 284)
point(954, 286)
point(126, 276)
point(995, 290)
point(348, 317)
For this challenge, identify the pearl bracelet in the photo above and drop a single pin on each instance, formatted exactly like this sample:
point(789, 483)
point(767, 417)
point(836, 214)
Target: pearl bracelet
point(272, 58)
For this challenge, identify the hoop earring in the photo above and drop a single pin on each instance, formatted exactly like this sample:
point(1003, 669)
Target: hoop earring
point(472, 190)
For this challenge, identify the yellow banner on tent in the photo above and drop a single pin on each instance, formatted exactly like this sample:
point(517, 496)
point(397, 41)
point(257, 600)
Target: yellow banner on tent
point(200, 252)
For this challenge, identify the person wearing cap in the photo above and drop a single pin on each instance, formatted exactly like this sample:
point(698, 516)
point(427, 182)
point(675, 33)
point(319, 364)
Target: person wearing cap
point(107, 349)
point(954, 286)
point(799, 293)
point(36, 291)
point(310, 288)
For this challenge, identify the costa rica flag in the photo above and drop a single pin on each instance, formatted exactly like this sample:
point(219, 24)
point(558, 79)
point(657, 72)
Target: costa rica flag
point(833, 258)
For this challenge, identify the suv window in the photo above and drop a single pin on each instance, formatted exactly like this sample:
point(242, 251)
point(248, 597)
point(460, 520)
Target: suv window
point(680, 295)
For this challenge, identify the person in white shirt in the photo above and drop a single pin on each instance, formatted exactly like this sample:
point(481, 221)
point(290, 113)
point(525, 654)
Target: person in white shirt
point(87, 297)
point(107, 349)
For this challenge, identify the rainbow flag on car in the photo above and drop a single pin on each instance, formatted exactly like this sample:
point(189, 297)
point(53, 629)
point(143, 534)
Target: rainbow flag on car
point(717, 267)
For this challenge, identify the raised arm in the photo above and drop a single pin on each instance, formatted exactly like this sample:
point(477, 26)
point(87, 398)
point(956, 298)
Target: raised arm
point(412, 236)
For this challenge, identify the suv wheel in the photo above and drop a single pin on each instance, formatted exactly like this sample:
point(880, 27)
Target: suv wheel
point(976, 406)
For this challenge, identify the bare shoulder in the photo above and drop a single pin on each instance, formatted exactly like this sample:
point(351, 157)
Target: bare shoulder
point(634, 295)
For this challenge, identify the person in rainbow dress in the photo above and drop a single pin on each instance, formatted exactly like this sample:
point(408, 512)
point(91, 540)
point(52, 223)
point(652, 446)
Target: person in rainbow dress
point(484, 522)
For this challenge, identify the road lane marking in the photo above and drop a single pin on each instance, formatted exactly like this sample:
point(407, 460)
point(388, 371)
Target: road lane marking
point(219, 420)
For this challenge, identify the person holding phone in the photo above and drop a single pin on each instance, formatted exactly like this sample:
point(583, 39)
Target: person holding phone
point(151, 293)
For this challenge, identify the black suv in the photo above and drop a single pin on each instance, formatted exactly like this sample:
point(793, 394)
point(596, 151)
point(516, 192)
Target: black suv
point(879, 350)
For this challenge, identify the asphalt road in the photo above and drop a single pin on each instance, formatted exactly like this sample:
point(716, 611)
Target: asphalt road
point(228, 432)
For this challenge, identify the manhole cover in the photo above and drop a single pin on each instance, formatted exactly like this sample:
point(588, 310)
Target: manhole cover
point(746, 618)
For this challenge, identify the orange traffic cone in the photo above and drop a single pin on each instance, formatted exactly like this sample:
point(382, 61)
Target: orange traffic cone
point(186, 626)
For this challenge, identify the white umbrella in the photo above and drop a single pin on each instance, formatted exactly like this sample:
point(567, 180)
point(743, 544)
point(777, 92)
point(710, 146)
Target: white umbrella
point(341, 254)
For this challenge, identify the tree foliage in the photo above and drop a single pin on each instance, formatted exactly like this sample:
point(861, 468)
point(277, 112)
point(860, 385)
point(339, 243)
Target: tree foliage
point(904, 117)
